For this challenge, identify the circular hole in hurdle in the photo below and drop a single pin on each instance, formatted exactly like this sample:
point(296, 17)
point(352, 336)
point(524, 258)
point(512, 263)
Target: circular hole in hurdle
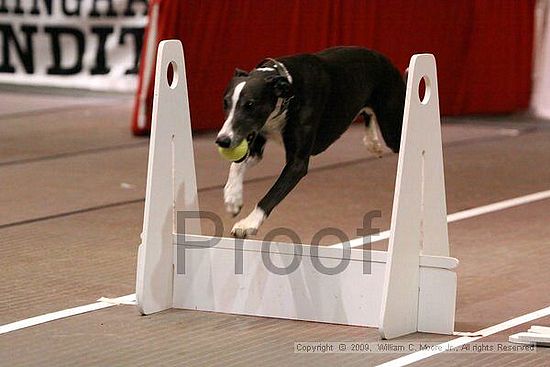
point(424, 90)
point(172, 74)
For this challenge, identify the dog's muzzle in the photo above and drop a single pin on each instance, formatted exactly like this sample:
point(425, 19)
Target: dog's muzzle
point(224, 141)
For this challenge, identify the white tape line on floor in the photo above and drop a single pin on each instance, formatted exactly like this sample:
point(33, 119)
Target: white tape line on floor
point(66, 313)
point(465, 214)
point(455, 343)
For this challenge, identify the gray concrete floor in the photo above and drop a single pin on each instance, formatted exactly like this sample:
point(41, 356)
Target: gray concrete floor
point(71, 211)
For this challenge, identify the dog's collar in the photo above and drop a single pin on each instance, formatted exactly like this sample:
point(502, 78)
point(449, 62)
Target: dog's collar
point(279, 67)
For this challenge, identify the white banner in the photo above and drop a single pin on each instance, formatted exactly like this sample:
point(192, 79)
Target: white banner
point(91, 44)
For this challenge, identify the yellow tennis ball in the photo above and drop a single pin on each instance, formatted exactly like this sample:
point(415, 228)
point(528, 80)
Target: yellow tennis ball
point(234, 154)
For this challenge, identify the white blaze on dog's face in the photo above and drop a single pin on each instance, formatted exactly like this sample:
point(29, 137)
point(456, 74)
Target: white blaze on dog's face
point(230, 104)
point(249, 101)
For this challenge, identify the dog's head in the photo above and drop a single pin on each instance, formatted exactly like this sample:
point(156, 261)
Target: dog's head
point(249, 100)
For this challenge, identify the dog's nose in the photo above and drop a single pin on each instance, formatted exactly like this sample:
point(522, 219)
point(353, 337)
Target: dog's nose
point(223, 141)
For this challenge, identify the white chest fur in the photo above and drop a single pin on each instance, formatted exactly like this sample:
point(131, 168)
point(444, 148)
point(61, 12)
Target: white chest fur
point(275, 123)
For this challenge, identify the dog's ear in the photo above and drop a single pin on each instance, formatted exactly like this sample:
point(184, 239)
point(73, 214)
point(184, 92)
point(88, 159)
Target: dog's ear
point(281, 86)
point(239, 72)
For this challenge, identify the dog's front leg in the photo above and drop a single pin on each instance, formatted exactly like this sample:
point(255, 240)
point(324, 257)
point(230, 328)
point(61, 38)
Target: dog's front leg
point(290, 176)
point(233, 190)
point(298, 139)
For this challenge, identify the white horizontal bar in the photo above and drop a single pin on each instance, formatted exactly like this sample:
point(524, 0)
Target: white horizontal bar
point(325, 252)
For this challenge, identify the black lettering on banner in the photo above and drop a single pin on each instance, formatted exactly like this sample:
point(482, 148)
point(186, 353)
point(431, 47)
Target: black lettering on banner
point(110, 12)
point(137, 35)
point(129, 12)
point(36, 9)
point(17, 41)
point(17, 9)
point(25, 54)
point(100, 59)
point(55, 37)
point(75, 11)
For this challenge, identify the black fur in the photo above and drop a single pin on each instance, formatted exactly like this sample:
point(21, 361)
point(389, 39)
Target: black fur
point(328, 90)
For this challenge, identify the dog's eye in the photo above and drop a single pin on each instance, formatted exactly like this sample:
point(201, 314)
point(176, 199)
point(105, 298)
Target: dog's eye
point(249, 105)
point(225, 104)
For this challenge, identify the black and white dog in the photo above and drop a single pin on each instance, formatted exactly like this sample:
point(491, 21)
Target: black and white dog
point(307, 101)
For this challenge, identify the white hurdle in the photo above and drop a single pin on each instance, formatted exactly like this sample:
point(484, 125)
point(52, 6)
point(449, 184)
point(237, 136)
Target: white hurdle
point(411, 287)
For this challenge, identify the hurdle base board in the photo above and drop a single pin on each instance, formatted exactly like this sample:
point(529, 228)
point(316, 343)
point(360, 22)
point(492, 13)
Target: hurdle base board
point(350, 297)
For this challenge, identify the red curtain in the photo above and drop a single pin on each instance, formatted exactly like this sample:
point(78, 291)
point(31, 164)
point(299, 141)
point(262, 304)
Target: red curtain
point(483, 48)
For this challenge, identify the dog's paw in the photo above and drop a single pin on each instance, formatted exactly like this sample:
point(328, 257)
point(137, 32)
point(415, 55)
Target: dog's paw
point(233, 207)
point(241, 231)
point(233, 199)
point(249, 225)
point(373, 146)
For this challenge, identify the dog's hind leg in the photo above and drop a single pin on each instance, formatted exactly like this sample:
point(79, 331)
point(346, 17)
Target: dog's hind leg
point(371, 138)
point(390, 121)
point(233, 190)
point(388, 106)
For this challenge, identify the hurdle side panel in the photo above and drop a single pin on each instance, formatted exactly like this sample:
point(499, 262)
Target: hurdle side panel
point(171, 182)
point(435, 239)
point(419, 213)
point(436, 301)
